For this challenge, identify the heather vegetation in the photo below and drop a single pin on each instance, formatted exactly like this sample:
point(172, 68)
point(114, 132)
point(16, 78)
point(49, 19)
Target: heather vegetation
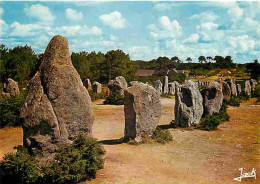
point(72, 163)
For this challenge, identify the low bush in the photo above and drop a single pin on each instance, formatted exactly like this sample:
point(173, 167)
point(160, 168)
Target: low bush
point(10, 110)
point(211, 122)
point(97, 96)
point(162, 136)
point(114, 99)
point(234, 101)
point(72, 163)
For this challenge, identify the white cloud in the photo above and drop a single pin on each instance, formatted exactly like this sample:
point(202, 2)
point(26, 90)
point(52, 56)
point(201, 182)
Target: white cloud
point(162, 6)
point(205, 17)
point(3, 25)
point(235, 11)
point(95, 30)
point(244, 43)
point(207, 26)
point(78, 30)
point(73, 15)
point(23, 30)
point(40, 12)
point(113, 20)
point(192, 39)
point(165, 28)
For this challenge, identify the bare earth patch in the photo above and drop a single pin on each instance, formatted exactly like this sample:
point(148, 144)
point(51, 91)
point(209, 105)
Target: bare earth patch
point(194, 156)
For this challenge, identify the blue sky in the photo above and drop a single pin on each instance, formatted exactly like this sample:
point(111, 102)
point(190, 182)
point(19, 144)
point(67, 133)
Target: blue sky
point(144, 30)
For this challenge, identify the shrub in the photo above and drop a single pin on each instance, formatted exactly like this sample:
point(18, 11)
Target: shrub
point(234, 101)
point(10, 110)
point(72, 163)
point(162, 136)
point(96, 96)
point(19, 168)
point(114, 99)
point(211, 122)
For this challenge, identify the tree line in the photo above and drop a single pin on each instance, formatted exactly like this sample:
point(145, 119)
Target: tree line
point(21, 63)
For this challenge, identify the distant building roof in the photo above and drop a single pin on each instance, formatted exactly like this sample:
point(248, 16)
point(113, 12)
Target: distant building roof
point(143, 73)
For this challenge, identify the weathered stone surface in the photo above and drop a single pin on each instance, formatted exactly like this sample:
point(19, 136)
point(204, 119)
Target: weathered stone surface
point(188, 107)
point(133, 83)
point(118, 85)
point(97, 87)
point(11, 87)
point(142, 109)
point(165, 85)
point(232, 85)
point(158, 86)
point(226, 91)
point(247, 87)
point(212, 97)
point(171, 88)
point(87, 84)
point(58, 107)
point(239, 89)
point(253, 84)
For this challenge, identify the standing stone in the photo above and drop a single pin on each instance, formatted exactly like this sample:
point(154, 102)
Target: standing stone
point(158, 86)
point(133, 83)
point(11, 87)
point(118, 85)
point(226, 91)
point(239, 89)
point(58, 107)
point(165, 85)
point(212, 97)
point(171, 88)
point(247, 88)
point(188, 105)
point(253, 84)
point(87, 84)
point(233, 87)
point(142, 109)
point(97, 87)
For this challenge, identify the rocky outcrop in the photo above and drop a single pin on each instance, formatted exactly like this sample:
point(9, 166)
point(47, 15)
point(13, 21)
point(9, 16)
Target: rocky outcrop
point(87, 84)
point(158, 86)
point(11, 88)
point(142, 109)
point(188, 105)
point(253, 84)
point(226, 91)
point(248, 88)
point(118, 85)
point(165, 85)
point(212, 97)
point(58, 107)
point(96, 87)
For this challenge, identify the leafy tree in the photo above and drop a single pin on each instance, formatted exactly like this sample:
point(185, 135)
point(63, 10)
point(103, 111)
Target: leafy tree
point(20, 63)
point(80, 62)
point(254, 69)
point(175, 59)
point(202, 59)
point(96, 61)
point(117, 63)
point(189, 60)
point(209, 59)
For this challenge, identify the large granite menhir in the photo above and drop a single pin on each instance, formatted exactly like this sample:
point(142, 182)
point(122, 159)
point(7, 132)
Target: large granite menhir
point(188, 105)
point(212, 97)
point(118, 85)
point(226, 91)
point(10, 88)
point(58, 107)
point(158, 86)
point(142, 109)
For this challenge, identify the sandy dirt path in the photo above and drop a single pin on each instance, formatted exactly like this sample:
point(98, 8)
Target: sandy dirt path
point(194, 156)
